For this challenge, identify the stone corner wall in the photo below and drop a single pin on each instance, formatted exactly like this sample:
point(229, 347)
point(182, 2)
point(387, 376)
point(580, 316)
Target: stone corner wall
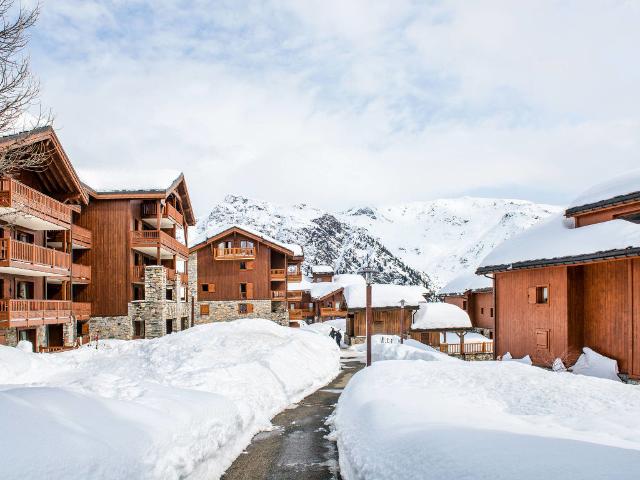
point(119, 327)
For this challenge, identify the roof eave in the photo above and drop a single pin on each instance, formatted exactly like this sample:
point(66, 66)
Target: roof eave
point(609, 202)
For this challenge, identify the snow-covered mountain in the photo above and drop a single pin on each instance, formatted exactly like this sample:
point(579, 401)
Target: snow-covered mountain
point(414, 243)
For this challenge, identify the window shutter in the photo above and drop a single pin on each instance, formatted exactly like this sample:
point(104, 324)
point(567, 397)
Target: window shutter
point(250, 265)
point(249, 307)
point(212, 288)
point(532, 295)
point(249, 290)
point(204, 309)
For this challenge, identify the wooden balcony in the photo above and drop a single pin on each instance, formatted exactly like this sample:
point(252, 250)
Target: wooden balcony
point(80, 273)
point(300, 313)
point(29, 208)
point(81, 310)
point(148, 241)
point(294, 295)
point(81, 238)
point(169, 216)
point(238, 253)
point(28, 313)
point(20, 258)
point(278, 295)
point(172, 275)
point(278, 274)
point(294, 277)
point(332, 312)
point(137, 273)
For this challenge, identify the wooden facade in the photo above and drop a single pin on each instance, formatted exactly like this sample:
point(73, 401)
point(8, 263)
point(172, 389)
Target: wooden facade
point(554, 310)
point(386, 321)
point(479, 305)
point(240, 266)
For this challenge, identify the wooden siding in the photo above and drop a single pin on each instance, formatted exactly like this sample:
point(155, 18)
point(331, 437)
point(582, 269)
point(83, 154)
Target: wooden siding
point(635, 299)
point(481, 308)
point(110, 256)
point(606, 214)
point(385, 321)
point(227, 276)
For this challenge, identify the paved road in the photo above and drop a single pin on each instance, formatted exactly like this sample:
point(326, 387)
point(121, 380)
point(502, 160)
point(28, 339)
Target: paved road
point(296, 448)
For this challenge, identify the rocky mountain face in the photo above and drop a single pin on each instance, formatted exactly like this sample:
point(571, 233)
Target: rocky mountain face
point(424, 243)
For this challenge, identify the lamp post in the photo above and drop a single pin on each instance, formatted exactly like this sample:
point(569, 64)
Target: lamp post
point(368, 275)
point(402, 304)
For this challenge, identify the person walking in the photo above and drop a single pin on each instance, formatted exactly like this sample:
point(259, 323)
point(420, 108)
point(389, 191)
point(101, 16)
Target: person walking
point(332, 333)
point(338, 337)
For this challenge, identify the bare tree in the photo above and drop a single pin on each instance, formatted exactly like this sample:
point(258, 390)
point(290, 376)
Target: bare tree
point(19, 92)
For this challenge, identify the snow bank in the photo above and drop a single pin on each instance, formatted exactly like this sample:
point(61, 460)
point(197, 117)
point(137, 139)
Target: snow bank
point(184, 405)
point(485, 420)
point(322, 289)
point(324, 328)
point(440, 315)
point(465, 282)
point(388, 347)
point(556, 239)
point(619, 186)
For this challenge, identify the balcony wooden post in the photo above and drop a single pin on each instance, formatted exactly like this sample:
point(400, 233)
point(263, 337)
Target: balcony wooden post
point(158, 218)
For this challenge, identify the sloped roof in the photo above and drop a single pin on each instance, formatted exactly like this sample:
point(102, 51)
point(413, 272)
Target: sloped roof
point(465, 282)
point(222, 231)
point(617, 190)
point(382, 296)
point(321, 290)
point(321, 269)
point(436, 316)
point(557, 242)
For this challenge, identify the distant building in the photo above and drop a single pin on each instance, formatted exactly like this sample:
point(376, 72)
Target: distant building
point(322, 273)
point(473, 294)
point(574, 281)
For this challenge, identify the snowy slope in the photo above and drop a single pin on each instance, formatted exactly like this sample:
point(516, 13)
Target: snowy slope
point(181, 406)
point(421, 242)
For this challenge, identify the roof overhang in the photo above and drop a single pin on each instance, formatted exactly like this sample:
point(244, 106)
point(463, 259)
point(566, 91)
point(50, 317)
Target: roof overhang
point(610, 202)
point(330, 294)
point(563, 261)
point(244, 233)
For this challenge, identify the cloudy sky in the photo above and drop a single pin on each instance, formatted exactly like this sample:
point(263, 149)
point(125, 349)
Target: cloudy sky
point(339, 103)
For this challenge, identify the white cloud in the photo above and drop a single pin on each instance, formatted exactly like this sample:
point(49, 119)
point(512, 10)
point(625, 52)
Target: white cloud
point(338, 103)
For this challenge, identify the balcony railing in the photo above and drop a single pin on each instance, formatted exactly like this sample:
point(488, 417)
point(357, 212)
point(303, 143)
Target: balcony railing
point(237, 253)
point(33, 257)
point(33, 312)
point(278, 274)
point(332, 312)
point(475, 347)
point(81, 310)
point(294, 277)
point(81, 273)
point(294, 295)
point(299, 313)
point(81, 236)
point(137, 273)
point(155, 238)
point(150, 211)
point(20, 197)
point(278, 295)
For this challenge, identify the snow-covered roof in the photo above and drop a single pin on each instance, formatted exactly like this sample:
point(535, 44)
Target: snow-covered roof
point(556, 241)
point(432, 316)
point(322, 289)
point(466, 281)
point(215, 230)
point(113, 181)
point(614, 190)
point(321, 269)
point(349, 279)
point(305, 285)
point(382, 295)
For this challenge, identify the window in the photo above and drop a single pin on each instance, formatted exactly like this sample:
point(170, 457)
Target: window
point(491, 312)
point(169, 326)
point(243, 291)
point(481, 310)
point(24, 237)
point(169, 294)
point(246, 290)
point(204, 309)
point(208, 287)
point(539, 295)
point(246, 244)
point(464, 304)
point(246, 265)
point(24, 290)
point(138, 329)
point(184, 323)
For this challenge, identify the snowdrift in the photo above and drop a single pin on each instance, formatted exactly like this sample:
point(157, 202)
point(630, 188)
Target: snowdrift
point(485, 420)
point(184, 405)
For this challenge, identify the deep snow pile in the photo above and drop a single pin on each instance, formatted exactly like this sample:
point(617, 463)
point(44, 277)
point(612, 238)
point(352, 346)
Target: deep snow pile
point(485, 420)
point(184, 405)
point(388, 347)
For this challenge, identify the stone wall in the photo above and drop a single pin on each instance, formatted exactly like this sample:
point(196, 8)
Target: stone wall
point(119, 327)
point(224, 311)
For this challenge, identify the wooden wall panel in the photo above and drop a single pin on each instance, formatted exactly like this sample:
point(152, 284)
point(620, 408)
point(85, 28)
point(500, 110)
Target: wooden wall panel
point(385, 321)
point(482, 306)
point(519, 321)
point(608, 309)
point(110, 256)
point(227, 276)
point(607, 214)
point(635, 327)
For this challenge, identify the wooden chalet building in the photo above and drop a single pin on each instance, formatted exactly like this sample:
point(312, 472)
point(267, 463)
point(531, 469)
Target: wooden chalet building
point(473, 294)
point(242, 273)
point(574, 281)
point(42, 266)
point(322, 273)
point(139, 283)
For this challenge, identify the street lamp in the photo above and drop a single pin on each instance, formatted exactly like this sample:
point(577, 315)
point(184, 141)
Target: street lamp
point(367, 273)
point(402, 304)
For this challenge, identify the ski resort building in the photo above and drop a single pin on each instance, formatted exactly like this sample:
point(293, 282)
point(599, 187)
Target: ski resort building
point(42, 270)
point(473, 294)
point(139, 227)
point(241, 272)
point(574, 281)
point(322, 273)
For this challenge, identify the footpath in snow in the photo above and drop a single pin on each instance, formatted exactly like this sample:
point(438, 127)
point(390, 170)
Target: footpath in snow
point(425, 418)
point(184, 405)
